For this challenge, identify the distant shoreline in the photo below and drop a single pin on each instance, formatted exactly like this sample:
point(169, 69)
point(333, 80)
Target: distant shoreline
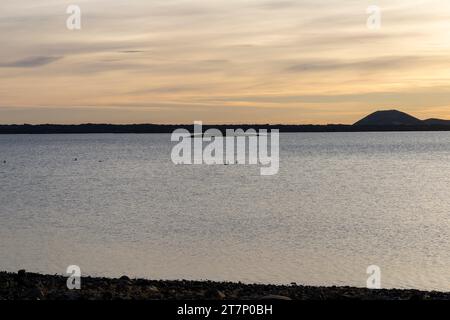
point(33, 286)
point(379, 121)
point(156, 128)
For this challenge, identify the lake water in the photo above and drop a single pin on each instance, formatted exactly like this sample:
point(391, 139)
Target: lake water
point(341, 202)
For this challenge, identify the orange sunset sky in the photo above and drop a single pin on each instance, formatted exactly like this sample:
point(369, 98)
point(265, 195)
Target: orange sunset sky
point(222, 61)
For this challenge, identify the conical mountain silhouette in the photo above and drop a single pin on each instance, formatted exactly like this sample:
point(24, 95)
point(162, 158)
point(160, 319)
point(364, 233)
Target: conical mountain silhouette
point(389, 118)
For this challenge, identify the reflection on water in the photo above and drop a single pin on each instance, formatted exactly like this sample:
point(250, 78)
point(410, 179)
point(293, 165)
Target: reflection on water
point(341, 202)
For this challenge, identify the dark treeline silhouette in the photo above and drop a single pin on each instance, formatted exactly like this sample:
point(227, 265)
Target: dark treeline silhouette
point(156, 128)
point(386, 120)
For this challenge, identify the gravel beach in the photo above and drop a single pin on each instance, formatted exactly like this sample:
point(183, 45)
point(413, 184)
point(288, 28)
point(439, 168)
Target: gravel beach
point(31, 286)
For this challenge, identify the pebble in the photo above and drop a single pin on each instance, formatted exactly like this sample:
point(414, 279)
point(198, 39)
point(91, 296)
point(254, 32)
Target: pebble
point(35, 293)
point(215, 294)
point(275, 297)
point(153, 289)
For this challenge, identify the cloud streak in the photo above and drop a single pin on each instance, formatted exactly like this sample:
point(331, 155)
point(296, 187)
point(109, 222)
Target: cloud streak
point(375, 64)
point(30, 62)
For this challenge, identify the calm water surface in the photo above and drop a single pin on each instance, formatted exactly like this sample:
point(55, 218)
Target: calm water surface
point(341, 202)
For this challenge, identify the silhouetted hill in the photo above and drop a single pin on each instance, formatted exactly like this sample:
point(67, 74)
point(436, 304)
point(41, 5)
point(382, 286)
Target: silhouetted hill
point(389, 118)
point(437, 122)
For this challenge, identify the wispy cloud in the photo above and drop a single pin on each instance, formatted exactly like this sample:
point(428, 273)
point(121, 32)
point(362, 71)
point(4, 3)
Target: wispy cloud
point(30, 62)
point(379, 64)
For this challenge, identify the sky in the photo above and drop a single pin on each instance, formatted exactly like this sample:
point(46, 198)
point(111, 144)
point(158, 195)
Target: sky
point(222, 61)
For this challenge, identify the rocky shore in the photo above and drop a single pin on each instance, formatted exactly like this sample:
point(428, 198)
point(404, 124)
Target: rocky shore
point(31, 286)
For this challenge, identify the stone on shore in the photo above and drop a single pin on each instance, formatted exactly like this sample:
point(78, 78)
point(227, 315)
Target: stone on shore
point(31, 286)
